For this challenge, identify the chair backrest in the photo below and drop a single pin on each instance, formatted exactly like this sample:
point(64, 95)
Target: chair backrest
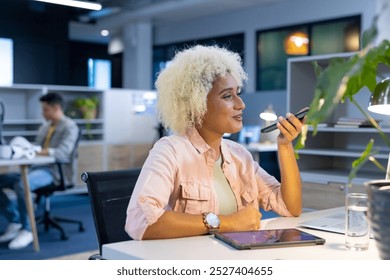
point(73, 156)
point(109, 193)
point(59, 186)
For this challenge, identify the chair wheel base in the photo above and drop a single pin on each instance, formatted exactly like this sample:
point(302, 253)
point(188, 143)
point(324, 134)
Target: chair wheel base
point(53, 222)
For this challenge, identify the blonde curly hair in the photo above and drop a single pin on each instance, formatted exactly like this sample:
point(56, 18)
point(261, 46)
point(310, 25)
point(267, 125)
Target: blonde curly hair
point(184, 84)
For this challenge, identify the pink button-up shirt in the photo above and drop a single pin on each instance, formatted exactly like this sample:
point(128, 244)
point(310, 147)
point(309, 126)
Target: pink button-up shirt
point(178, 176)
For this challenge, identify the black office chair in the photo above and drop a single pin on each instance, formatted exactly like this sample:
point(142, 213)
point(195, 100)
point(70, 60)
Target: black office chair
point(109, 193)
point(47, 191)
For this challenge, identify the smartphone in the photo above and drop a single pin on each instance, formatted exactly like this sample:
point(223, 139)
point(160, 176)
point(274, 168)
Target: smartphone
point(300, 115)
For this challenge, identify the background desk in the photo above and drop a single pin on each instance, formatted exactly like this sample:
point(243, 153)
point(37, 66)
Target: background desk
point(24, 164)
point(209, 248)
point(266, 155)
point(257, 148)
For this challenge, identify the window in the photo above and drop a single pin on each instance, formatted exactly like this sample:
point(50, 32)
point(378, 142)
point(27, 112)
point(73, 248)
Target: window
point(6, 61)
point(275, 46)
point(162, 55)
point(99, 73)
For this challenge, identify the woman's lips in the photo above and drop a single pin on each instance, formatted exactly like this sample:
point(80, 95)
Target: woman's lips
point(238, 117)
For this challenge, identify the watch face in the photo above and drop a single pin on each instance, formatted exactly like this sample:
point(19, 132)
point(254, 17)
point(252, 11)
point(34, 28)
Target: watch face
point(212, 220)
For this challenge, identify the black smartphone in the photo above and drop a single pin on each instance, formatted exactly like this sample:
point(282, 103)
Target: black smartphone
point(300, 115)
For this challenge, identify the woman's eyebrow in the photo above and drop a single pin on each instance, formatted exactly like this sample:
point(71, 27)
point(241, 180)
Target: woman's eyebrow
point(224, 90)
point(230, 89)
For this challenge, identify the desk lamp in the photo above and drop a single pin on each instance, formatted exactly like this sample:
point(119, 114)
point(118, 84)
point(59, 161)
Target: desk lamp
point(380, 104)
point(269, 117)
point(380, 98)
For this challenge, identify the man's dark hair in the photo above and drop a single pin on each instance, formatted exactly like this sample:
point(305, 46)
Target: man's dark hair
point(52, 98)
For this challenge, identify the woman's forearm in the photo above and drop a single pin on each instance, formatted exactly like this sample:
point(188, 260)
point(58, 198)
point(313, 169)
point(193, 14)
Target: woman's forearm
point(175, 224)
point(290, 179)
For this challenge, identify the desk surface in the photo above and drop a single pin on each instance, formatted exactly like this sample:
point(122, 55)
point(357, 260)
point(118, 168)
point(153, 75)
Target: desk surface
point(262, 147)
point(209, 248)
point(24, 161)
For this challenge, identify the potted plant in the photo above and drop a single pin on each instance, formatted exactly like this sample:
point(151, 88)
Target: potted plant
point(88, 110)
point(338, 83)
point(87, 106)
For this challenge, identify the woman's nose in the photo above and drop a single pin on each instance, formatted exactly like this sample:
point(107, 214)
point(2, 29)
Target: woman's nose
point(240, 105)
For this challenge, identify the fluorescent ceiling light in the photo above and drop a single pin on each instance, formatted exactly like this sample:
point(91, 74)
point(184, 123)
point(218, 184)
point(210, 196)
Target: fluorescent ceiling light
point(74, 3)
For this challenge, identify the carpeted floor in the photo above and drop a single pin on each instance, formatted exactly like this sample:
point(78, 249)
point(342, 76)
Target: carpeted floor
point(74, 206)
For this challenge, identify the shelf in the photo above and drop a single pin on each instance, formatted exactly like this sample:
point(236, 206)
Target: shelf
point(39, 121)
point(326, 176)
point(92, 131)
point(84, 121)
point(348, 129)
point(338, 153)
point(18, 127)
point(22, 122)
point(19, 133)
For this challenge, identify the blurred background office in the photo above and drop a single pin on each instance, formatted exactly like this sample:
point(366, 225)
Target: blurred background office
point(110, 57)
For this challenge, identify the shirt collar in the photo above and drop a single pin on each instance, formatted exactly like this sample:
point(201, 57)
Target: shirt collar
point(202, 147)
point(197, 140)
point(225, 152)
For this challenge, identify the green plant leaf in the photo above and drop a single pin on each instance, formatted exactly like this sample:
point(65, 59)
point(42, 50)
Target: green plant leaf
point(358, 163)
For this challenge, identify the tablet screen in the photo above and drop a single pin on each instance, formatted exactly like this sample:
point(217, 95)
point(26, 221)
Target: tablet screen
point(269, 238)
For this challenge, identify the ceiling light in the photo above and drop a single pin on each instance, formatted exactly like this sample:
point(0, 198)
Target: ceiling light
point(269, 117)
point(104, 33)
point(74, 3)
point(268, 114)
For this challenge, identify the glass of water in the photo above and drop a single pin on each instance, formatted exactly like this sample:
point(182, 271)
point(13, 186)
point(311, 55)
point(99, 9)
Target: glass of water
point(357, 225)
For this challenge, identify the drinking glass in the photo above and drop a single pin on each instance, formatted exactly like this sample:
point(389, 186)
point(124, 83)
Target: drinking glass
point(357, 225)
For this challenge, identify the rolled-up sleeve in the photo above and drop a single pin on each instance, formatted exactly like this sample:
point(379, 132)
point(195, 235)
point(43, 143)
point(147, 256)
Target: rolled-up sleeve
point(270, 193)
point(150, 198)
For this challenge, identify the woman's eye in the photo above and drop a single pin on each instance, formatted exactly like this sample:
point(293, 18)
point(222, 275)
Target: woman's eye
point(227, 96)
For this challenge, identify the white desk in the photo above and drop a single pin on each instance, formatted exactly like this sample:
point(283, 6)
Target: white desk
point(210, 248)
point(24, 164)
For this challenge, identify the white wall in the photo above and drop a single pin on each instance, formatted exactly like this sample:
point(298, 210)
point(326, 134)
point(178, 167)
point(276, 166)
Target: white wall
point(121, 124)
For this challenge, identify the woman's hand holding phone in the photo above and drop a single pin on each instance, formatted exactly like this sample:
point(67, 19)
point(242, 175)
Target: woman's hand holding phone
point(300, 115)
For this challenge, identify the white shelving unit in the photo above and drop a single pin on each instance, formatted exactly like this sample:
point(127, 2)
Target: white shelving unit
point(119, 138)
point(327, 157)
point(23, 113)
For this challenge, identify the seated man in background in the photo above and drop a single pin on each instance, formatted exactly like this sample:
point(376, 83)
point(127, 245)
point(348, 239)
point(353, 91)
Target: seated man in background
point(57, 138)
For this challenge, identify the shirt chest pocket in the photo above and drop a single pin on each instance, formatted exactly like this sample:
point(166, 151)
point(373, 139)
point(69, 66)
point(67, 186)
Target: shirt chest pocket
point(194, 197)
point(249, 195)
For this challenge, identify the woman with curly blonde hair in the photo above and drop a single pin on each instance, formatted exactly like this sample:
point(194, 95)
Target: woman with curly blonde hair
point(195, 182)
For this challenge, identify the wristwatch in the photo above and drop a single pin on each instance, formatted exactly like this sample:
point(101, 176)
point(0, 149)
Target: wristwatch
point(211, 221)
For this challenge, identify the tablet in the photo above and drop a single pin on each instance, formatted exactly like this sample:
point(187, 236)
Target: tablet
point(269, 238)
